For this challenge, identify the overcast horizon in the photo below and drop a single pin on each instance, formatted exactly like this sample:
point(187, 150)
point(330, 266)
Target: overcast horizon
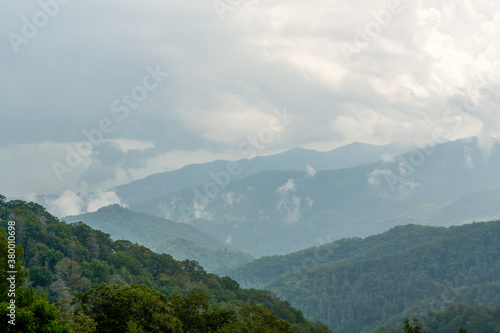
point(96, 94)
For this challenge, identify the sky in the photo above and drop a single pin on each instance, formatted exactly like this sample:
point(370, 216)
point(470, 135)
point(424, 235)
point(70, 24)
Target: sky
point(98, 93)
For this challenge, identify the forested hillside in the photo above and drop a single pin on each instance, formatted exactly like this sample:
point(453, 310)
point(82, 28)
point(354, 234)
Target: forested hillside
point(278, 212)
point(76, 279)
point(458, 318)
point(260, 271)
point(180, 240)
point(119, 286)
point(354, 285)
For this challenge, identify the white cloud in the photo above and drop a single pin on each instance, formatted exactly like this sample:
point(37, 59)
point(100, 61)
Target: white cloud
point(486, 143)
point(69, 203)
point(388, 157)
point(101, 199)
point(392, 186)
point(230, 198)
point(289, 205)
point(27, 168)
point(168, 210)
point(311, 172)
point(309, 202)
point(29, 197)
point(129, 144)
point(199, 211)
point(230, 122)
point(375, 175)
point(468, 161)
point(287, 187)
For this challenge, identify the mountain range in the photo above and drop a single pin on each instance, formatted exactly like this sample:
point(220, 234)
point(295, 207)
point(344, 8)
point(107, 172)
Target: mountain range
point(280, 211)
point(447, 277)
point(297, 159)
point(301, 198)
point(359, 248)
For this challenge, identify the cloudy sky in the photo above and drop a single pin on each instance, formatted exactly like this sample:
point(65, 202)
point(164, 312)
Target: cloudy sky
point(98, 93)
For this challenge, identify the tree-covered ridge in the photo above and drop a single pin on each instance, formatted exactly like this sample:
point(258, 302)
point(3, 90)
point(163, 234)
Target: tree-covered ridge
point(463, 266)
point(209, 257)
point(260, 271)
point(75, 263)
point(180, 240)
point(460, 318)
point(355, 285)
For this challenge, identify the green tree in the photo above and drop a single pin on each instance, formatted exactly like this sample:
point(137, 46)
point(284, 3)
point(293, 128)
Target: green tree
point(61, 265)
point(198, 315)
point(79, 322)
point(40, 276)
point(10, 254)
point(258, 319)
point(118, 309)
point(34, 314)
point(413, 328)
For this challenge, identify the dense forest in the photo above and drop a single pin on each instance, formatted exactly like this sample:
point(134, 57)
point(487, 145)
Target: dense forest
point(355, 285)
point(458, 318)
point(347, 250)
point(72, 278)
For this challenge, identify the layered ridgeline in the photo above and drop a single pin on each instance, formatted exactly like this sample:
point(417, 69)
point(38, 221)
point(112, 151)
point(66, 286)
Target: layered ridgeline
point(180, 240)
point(278, 212)
point(296, 159)
point(355, 285)
point(119, 286)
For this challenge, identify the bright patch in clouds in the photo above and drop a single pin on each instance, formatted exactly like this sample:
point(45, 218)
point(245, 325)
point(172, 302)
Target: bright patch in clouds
point(127, 144)
point(70, 203)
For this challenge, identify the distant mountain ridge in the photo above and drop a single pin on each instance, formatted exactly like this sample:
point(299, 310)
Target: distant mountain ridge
point(277, 212)
point(296, 159)
point(189, 176)
point(180, 240)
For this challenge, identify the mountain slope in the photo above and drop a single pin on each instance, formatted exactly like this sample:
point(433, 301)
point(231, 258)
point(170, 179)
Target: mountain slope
point(294, 159)
point(182, 241)
point(355, 285)
point(120, 280)
point(277, 212)
point(258, 272)
point(484, 319)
